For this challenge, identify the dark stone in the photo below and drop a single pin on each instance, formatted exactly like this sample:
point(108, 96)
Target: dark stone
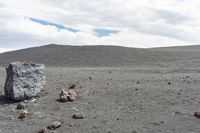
point(54, 125)
point(78, 116)
point(21, 106)
point(73, 86)
point(44, 130)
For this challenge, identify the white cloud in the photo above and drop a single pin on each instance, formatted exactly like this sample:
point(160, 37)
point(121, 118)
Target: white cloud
point(143, 23)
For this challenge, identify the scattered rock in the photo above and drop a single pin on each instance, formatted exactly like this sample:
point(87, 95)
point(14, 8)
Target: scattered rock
point(54, 125)
point(66, 96)
point(178, 113)
point(78, 116)
point(133, 131)
point(24, 80)
point(73, 86)
point(44, 130)
point(109, 131)
point(25, 101)
point(23, 114)
point(33, 99)
point(197, 114)
point(21, 106)
point(71, 125)
point(156, 123)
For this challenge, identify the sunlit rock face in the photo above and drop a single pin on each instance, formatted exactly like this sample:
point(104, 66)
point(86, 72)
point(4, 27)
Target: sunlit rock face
point(24, 80)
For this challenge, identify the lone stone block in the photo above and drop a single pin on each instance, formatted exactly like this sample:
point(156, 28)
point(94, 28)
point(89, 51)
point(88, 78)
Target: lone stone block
point(24, 80)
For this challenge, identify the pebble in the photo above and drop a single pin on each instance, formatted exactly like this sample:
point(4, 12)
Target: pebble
point(54, 125)
point(73, 86)
point(133, 131)
point(33, 99)
point(197, 114)
point(78, 116)
point(23, 114)
point(44, 130)
point(20, 106)
point(71, 125)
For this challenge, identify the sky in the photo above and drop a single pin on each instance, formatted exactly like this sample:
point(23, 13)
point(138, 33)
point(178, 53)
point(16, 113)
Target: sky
point(130, 23)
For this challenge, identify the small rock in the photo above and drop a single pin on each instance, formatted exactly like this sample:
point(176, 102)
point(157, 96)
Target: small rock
point(33, 99)
point(78, 116)
point(110, 72)
point(52, 131)
point(23, 114)
point(136, 89)
point(73, 86)
point(109, 131)
point(44, 130)
point(20, 106)
point(157, 123)
point(197, 114)
point(169, 83)
point(90, 78)
point(66, 96)
point(138, 82)
point(71, 125)
point(133, 131)
point(54, 125)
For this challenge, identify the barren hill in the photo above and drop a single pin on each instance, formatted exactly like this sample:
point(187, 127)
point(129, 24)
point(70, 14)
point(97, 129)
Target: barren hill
point(106, 56)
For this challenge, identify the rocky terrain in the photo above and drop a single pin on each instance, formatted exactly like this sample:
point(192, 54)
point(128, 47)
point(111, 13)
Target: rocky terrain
point(159, 96)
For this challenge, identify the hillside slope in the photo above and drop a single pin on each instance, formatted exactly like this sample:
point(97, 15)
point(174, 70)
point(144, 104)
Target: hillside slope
point(106, 56)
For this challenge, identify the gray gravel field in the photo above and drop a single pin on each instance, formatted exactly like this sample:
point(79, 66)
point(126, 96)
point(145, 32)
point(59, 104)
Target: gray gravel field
point(113, 100)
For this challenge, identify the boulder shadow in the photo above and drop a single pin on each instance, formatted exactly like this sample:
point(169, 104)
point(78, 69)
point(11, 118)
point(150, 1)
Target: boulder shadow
point(5, 100)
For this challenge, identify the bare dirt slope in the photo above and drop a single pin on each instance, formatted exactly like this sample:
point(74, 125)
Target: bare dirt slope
point(106, 56)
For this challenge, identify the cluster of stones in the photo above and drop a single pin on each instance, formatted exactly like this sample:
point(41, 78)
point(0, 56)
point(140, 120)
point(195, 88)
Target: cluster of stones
point(25, 80)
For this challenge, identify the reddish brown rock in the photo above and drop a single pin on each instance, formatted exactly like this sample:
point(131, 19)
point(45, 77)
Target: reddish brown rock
point(66, 96)
point(23, 114)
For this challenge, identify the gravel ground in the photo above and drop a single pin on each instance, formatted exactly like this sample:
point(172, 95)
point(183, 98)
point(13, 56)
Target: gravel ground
point(112, 100)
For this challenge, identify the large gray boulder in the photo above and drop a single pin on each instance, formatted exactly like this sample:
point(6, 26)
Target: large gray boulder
point(24, 80)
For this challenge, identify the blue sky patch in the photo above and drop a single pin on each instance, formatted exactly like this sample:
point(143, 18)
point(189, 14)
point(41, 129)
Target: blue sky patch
point(104, 32)
point(58, 26)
